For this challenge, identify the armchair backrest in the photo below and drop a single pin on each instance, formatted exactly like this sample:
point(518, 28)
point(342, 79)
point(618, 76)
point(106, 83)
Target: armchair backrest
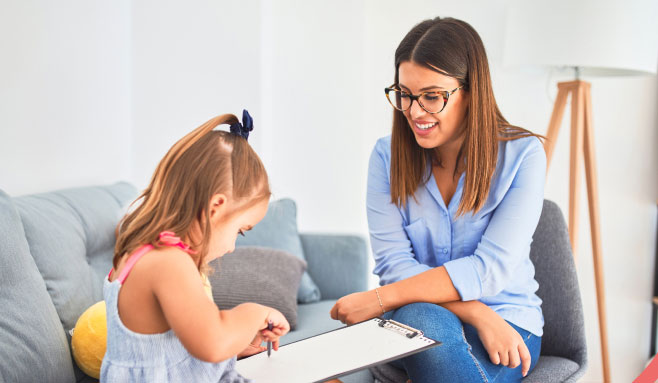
point(555, 271)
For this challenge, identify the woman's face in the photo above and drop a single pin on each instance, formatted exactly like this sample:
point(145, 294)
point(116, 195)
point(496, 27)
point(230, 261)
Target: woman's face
point(433, 130)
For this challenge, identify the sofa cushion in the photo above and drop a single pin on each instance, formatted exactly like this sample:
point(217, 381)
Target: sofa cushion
point(34, 346)
point(261, 275)
point(278, 230)
point(338, 263)
point(71, 238)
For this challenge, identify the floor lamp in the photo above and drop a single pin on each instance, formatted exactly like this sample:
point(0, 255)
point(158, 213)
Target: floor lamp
point(582, 147)
point(595, 38)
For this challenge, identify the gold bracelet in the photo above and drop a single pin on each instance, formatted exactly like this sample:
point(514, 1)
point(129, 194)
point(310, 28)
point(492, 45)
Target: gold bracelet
point(380, 301)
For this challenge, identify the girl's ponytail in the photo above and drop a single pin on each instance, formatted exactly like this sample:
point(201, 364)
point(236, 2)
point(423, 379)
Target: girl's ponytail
point(202, 163)
point(176, 151)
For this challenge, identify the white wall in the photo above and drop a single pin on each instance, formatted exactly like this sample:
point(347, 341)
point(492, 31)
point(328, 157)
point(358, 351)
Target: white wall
point(64, 94)
point(92, 92)
point(317, 121)
point(191, 61)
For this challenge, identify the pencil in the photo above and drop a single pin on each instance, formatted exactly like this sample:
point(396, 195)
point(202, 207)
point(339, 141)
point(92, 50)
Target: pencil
point(269, 343)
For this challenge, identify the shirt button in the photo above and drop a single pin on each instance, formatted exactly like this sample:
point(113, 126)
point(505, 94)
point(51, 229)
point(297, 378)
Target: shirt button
point(445, 251)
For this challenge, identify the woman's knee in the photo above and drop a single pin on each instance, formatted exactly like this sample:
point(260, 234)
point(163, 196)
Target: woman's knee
point(431, 319)
point(418, 312)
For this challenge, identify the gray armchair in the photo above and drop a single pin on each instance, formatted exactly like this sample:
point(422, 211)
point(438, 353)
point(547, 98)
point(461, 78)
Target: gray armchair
point(563, 349)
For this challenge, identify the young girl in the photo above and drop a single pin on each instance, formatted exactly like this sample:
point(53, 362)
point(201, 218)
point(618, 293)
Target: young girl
point(454, 197)
point(210, 187)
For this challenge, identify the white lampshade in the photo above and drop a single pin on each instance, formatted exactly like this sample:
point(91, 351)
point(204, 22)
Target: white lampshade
point(602, 38)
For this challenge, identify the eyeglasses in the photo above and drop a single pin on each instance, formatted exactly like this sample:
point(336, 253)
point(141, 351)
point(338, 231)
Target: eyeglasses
point(432, 102)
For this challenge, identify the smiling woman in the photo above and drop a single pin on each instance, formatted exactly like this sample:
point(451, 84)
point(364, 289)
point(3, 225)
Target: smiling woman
point(454, 196)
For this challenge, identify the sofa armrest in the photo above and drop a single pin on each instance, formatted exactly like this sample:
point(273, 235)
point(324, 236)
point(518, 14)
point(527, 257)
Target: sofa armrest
point(338, 264)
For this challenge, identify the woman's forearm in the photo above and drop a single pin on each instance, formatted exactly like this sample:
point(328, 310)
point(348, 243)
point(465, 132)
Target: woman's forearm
point(468, 312)
point(432, 286)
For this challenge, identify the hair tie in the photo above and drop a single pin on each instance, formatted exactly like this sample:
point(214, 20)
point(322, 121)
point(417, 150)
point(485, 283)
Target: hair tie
point(243, 129)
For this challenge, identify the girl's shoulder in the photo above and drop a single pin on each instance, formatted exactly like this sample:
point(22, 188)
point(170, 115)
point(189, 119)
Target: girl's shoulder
point(161, 263)
point(168, 258)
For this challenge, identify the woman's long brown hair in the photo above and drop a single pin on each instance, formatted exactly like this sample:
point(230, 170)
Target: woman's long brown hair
point(452, 48)
point(201, 164)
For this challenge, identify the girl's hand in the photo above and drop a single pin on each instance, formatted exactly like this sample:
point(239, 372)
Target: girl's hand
point(503, 343)
point(356, 307)
point(280, 327)
point(255, 347)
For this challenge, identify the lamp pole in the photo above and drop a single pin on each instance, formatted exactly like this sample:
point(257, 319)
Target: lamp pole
point(582, 146)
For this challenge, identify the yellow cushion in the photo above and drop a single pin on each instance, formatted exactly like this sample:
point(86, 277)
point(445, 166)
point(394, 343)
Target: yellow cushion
point(90, 339)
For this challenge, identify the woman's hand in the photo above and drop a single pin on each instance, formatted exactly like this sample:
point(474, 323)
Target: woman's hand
point(356, 307)
point(280, 327)
point(503, 343)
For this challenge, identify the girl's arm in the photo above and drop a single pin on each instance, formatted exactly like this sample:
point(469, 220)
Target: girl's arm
point(206, 332)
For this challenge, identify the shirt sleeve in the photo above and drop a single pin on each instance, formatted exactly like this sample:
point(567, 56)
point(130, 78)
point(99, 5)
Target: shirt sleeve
point(505, 242)
point(394, 258)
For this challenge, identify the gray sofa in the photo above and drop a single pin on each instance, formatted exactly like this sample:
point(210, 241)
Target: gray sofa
point(57, 247)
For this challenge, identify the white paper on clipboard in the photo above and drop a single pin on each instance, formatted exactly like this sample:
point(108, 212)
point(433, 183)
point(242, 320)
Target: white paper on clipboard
point(336, 353)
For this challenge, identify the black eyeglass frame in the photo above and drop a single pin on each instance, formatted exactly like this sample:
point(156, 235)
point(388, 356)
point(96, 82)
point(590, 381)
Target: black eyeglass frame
point(416, 97)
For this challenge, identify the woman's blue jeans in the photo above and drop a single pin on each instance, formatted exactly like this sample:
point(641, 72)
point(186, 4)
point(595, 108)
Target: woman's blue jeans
point(461, 357)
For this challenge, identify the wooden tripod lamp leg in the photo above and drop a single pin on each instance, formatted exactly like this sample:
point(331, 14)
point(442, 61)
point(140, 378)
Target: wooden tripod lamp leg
point(577, 122)
point(554, 125)
point(595, 229)
point(582, 144)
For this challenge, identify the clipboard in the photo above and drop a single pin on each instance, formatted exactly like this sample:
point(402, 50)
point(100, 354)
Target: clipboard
point(336, 353)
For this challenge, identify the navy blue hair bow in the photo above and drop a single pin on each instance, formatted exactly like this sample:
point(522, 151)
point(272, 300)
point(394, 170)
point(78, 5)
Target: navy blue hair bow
point(243, 129)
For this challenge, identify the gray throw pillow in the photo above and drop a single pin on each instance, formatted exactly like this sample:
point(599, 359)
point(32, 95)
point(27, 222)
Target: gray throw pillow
point(278, 230)
point(260, 275)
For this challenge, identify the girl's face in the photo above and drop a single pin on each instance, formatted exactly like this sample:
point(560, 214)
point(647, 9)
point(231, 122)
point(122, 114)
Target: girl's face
point(227, 227)
point(433, 130)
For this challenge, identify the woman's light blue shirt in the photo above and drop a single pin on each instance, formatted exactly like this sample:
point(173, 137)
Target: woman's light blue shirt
point(486, 254)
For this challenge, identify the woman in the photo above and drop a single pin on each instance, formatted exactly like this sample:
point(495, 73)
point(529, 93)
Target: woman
point(454, 197)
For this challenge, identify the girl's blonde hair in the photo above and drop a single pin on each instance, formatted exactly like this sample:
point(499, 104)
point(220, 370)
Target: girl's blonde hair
point(201, 164)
